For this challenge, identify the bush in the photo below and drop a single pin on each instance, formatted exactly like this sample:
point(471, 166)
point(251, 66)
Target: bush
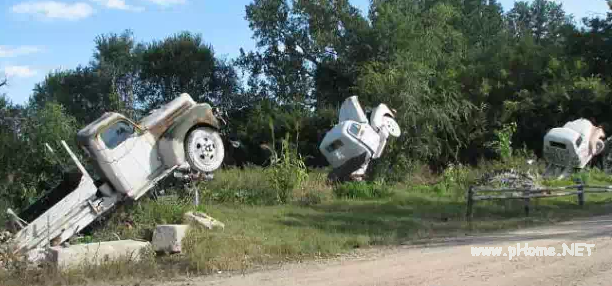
point(362, 190)
point(243, 186)
point(503, 144)
point(391, 167)
point(455, 180)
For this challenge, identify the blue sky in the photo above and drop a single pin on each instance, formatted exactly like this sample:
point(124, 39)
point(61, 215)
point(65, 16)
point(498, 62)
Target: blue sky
point(39, 36)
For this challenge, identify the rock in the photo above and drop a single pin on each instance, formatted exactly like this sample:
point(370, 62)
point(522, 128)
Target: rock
point(202, 219)
point(36, 256)
point(5, 237)
point(6, 253)
point(96, 253)
point(169, 237)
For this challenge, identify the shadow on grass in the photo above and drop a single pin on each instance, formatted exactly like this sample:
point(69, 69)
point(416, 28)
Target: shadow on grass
point(401, 220)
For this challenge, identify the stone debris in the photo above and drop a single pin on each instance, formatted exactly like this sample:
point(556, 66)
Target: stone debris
point(5, 249)
point(96, 253)
point(202, 219)
point(169, 237)
point(166, 238)
point(5, 237)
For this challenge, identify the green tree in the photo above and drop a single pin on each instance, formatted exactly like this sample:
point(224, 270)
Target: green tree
point(310, 51)
point(28, 169)
point(115, 58)
point(84, 92)
point(418, 77)
point(183, 63)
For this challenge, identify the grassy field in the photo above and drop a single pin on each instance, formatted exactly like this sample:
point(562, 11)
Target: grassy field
point(266, 224)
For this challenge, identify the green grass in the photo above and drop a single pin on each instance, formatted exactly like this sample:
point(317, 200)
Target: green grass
point(319, 221)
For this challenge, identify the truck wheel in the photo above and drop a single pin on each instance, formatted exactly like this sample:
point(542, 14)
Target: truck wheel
point(204, 149)
point(391, 125)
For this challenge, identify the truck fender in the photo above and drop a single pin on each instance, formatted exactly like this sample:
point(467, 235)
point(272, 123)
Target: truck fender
point(172, 144)
point(378, 114)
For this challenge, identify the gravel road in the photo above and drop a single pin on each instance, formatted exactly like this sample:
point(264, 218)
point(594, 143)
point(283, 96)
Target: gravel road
point(450, 262)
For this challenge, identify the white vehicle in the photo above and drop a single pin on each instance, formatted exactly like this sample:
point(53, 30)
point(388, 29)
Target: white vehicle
point(355, 140)
point(130, 159)
point(571, 147)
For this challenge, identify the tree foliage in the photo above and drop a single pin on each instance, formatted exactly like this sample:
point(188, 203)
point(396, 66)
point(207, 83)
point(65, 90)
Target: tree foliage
point(458, 73)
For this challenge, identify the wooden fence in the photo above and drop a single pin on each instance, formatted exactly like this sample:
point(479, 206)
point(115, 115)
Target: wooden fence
point(476, 194)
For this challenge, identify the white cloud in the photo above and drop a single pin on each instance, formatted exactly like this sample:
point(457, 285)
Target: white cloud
point(55, 10)
point(19, 71)
point(119, 4)
point(168, 2)
point(11, 52)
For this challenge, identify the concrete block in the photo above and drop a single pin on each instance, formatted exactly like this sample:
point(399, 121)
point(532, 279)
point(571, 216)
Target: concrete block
point(96, 253)
point(169, 237)
point(202, 219)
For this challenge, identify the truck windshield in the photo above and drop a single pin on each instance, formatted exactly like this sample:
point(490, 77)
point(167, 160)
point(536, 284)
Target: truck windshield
point(116, 134)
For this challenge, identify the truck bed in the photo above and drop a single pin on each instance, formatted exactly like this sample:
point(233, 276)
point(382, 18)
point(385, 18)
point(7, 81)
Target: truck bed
point(70, 181)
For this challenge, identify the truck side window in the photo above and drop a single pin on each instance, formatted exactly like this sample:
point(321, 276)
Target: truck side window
point(116, 134)
point(579, 141)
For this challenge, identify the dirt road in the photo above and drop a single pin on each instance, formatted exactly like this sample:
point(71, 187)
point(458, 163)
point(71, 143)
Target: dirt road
point(451, 263)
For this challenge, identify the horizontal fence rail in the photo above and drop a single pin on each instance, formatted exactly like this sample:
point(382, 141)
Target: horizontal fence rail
point(476, 194)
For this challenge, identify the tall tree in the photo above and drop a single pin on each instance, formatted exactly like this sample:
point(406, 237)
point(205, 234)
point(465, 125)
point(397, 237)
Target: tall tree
point(310, 50)
point(544, 20)
point(28, 169)
point(84, 93)
point(183, 63)
point(115, 58)
point(418, 76)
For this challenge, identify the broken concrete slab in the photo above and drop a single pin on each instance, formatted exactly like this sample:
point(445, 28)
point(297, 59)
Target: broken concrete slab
point(169, 237)
point(202, 219)
point(97, 253)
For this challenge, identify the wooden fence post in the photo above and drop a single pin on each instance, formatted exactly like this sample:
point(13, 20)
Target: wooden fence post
point(581, 195)
point(580, 191)
point(526, 201)
point(470, 204)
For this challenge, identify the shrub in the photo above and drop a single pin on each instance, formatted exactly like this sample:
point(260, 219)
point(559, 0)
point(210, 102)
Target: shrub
point(455, 179)
point(362, 190)
point(503, 144)
point(287, 173)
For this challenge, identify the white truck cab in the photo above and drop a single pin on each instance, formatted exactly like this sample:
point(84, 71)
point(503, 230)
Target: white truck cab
point(355, 140)
point(571, 147)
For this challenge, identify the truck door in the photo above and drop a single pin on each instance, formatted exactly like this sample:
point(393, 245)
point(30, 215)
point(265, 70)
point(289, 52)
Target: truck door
point(132, 158)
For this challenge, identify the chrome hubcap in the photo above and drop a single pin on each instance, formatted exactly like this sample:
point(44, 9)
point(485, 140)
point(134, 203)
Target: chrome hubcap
point(205, 149)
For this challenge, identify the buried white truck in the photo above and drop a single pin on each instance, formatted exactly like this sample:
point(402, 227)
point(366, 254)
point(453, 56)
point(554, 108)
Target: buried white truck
point(181, 137)
point(355, 140)
point(571, 147)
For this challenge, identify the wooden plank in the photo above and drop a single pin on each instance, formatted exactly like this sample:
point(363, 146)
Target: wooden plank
point(598, 187)
point(598, 191)
point(501, 197)
point(46, 226)
point(76, 160)
point(512, 190)
point(500, 190)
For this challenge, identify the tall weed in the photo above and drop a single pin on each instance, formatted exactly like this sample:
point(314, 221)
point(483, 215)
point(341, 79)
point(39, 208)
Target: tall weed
point(288, 173)
point(503, 144)
point(455, 180)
